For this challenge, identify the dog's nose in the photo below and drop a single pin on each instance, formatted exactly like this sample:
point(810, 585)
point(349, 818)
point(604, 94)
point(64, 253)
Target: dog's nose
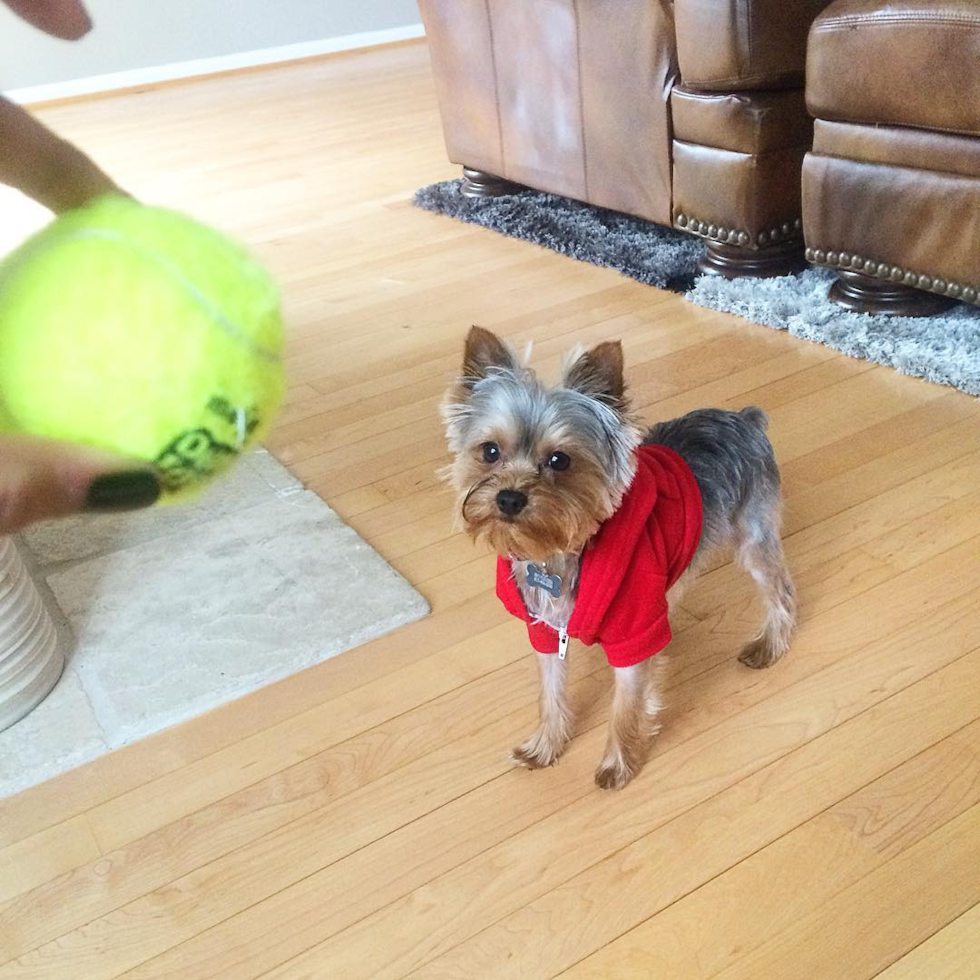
point(511, 502)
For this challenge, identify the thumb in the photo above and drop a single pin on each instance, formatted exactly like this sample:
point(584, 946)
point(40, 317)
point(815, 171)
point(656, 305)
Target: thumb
point(40, 479)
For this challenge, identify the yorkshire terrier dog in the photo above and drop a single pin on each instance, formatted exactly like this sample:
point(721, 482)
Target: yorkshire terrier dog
point(595, 521)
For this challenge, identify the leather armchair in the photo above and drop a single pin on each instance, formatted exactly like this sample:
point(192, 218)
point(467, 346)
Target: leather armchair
point(891, 189)
point(688, 113)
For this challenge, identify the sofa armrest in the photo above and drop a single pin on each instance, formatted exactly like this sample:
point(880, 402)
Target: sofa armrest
point(562, 96)
point(737, 45)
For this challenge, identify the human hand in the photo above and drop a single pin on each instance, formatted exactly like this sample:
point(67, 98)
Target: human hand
point(40, 479)
point(32, 158)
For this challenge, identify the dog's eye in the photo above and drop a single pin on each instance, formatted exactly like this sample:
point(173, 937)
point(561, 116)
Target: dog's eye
point(491, 452)
point(559, 461)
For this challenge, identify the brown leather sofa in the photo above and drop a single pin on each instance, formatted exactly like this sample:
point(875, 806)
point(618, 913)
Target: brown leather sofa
point(891, 189)
point(688, 113)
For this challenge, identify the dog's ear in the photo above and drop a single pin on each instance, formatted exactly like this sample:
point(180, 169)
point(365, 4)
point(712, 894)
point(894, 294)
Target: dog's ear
point(599, 374)
point(484, 351)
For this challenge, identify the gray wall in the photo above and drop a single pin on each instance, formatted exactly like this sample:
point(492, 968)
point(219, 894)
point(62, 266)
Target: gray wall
point(132, 34)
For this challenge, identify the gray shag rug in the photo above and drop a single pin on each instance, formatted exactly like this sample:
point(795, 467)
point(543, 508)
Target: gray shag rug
point(943, 348)
point(643, 251)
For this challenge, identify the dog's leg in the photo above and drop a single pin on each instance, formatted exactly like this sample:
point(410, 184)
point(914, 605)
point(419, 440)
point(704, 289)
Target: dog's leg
point(632, 723)
point(760, 553)
point(549, 741)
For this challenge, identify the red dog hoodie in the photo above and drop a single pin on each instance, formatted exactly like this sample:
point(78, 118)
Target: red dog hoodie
point(634, 558)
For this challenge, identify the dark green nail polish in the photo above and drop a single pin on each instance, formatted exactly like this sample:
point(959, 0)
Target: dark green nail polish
point(123, 491)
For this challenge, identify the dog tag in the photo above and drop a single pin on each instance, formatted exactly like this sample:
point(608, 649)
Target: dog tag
point(539, 580)
point(562, 644)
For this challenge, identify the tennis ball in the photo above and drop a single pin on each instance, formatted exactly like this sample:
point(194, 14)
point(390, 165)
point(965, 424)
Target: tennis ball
point(138, 330)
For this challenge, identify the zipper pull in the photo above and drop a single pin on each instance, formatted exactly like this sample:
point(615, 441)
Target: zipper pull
point(562, 643)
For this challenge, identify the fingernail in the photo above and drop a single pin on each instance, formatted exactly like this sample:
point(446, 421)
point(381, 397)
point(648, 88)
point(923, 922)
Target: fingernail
point(123, 491)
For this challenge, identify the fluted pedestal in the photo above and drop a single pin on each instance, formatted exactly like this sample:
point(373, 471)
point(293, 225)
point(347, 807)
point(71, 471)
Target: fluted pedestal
point(30, 661)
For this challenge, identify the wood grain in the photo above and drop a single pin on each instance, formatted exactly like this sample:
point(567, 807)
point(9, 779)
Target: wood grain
point(950, 954)
point(798, 872)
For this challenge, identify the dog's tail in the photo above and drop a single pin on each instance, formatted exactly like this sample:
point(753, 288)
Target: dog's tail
point(755, 416)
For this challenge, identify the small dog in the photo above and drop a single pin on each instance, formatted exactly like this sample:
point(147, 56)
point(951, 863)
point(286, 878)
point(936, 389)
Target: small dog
point(595, 520)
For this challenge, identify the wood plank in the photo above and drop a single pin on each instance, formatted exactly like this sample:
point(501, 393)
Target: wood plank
point(405, 540)
point(28, 924)
point(950, 954)
point(903, 525)
point(893, 908)
point(142, 834)
point(160, 755)
point(46, 855)
point(769, 891)
point(675, 771)
point(456, 906)
point(375, 875)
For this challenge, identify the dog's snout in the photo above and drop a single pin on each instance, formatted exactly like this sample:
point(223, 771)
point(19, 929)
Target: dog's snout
point(511, 502)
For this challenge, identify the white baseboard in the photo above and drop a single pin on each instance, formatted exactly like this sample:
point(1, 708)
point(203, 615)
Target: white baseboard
point(210, 66)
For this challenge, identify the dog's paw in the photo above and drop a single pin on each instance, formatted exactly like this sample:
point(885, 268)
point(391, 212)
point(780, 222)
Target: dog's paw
point(614, 773)
point(532, 758)
point(758, 654)
point(538, 752)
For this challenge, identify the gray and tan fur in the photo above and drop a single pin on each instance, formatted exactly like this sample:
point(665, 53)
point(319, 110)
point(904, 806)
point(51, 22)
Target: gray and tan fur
point(538, 469)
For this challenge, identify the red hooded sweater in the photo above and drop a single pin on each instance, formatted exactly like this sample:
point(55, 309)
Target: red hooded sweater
point(635, 557)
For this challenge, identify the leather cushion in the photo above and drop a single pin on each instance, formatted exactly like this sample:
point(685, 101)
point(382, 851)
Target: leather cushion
point(916, 220)
point(898, 147)
point(756, 194)
point(735, 45)
point(747, 122)
point(898, 62)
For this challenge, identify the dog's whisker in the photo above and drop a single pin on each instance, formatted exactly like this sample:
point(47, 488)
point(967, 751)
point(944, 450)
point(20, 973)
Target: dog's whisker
point(477, 486)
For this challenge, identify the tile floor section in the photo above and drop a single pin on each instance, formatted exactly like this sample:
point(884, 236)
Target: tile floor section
point(170, 612)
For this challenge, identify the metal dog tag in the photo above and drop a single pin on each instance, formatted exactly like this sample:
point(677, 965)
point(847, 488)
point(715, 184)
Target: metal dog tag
point(539, 580)
point(562, 644)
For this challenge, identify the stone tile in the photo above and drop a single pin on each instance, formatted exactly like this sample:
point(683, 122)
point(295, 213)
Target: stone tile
point(85, 536)
point(170, 612)
point(59, 734)
point(263, 463)
point(171, 627)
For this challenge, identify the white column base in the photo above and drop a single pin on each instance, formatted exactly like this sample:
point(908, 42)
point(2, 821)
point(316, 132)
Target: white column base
point(30, 661)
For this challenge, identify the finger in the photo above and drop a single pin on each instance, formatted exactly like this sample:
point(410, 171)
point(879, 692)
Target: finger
point(41, 480)
point(66, 19)
point(52, 171)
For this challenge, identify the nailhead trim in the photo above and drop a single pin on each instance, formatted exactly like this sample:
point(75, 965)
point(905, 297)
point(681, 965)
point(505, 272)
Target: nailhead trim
point(737, 236)
point(882, 270)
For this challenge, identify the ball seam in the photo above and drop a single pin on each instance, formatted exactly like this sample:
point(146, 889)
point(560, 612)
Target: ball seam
point(211, 310)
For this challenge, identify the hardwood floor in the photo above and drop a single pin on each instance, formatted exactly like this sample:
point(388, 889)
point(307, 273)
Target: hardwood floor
point(817, 820)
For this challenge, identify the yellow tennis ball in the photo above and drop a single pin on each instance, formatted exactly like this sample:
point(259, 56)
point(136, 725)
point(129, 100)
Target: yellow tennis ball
point(139, 330)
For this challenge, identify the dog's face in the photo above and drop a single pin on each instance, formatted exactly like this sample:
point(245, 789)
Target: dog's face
point(538, 469)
